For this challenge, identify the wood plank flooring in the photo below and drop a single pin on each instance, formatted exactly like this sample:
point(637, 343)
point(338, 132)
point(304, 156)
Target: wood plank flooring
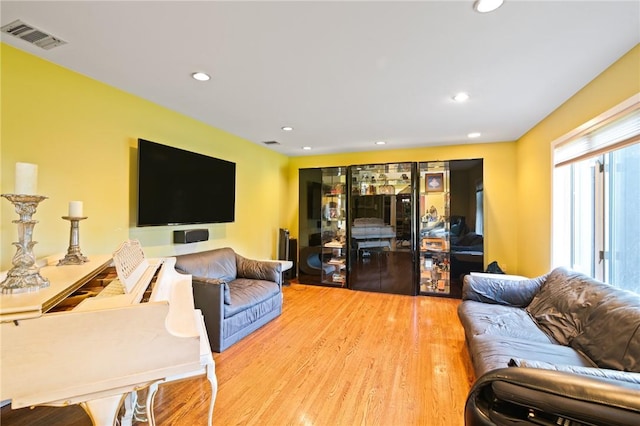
point(334, 357)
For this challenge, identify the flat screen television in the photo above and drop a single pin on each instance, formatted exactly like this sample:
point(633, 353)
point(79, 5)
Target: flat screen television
point(181, 187)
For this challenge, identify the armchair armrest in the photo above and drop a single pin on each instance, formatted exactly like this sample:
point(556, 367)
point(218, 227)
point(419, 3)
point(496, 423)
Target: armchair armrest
point(259, 269)
point(537, 396)
point(209, 297)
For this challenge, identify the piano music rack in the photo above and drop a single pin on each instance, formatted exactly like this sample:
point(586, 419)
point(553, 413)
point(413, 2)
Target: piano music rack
point(130, 263)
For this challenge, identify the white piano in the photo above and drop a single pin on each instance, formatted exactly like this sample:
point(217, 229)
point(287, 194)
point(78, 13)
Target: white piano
point(49, 358)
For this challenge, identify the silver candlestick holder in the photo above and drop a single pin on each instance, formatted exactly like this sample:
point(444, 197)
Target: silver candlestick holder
point(74, 255)
point(25, 274)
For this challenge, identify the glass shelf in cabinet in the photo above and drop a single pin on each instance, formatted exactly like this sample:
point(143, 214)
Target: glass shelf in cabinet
point(334, 245)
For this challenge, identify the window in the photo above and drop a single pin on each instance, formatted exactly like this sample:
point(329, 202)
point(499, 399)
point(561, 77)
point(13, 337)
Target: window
point(596, 198)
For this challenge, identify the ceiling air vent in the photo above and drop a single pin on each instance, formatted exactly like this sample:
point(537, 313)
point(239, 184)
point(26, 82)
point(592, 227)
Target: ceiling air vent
point(271, 143)
point(32, 35)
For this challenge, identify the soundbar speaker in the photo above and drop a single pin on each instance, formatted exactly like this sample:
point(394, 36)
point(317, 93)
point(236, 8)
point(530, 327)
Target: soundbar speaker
point(190, 236)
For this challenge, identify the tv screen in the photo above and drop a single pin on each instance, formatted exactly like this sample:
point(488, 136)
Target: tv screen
point(182, 187)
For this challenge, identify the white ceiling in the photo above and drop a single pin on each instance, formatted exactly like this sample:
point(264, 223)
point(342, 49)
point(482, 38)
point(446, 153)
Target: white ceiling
point(343, 74)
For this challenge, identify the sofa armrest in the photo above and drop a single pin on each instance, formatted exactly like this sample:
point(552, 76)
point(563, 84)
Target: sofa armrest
point(259, 269)
point(208, 296)
point(538, 396)
point(491, 289)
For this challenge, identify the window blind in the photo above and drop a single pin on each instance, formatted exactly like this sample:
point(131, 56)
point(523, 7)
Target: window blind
point(607, 134)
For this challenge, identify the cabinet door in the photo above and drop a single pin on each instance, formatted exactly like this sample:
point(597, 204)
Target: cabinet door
point(380, 228)
point(434, 228)
point(334, 226)
point(467, 230)
point(451, 225)
point(309, 226)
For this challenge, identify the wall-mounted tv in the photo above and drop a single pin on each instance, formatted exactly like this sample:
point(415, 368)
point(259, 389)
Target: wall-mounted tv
point(182, 187)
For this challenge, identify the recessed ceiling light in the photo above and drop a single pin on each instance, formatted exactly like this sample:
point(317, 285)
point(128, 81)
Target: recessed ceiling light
point(381, 143)
point(461, 97)
point(484, 6)
point(201, 76)
point(287, 128)
point(306, 148)
point(474, 135)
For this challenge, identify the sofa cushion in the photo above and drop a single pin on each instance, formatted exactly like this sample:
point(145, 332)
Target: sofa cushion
point(218, 263)
point(565, 301)
point(501, 291)
point(585, 371)
point(251, 316)
point(498, 320)
point(490, 352)
point(611, 336)
point(246, 293)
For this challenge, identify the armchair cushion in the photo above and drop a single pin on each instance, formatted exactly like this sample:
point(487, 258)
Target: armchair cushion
point(248, 292)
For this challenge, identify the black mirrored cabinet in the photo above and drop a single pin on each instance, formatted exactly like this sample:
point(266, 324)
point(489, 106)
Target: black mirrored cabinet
point(404, 228)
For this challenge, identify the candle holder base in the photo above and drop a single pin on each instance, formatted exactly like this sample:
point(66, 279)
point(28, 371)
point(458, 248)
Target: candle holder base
point(74, 256)
point(73, 259)
point(25, 275)
point(23, 282)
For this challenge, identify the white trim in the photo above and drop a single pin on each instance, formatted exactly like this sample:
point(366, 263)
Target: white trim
point(594, 122)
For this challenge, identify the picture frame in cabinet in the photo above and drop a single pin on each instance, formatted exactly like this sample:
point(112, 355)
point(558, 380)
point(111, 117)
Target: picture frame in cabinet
point(434, 182)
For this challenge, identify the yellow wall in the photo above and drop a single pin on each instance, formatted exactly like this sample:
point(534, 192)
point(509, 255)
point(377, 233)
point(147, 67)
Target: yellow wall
point(619, 82)
point(82, 135)
point(501, 213)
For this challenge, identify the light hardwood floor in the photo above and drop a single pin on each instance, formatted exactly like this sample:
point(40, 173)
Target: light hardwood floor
point(334, 357)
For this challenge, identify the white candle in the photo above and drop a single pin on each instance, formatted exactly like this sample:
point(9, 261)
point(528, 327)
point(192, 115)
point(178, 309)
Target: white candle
point(26, 179)
point(75, 208)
